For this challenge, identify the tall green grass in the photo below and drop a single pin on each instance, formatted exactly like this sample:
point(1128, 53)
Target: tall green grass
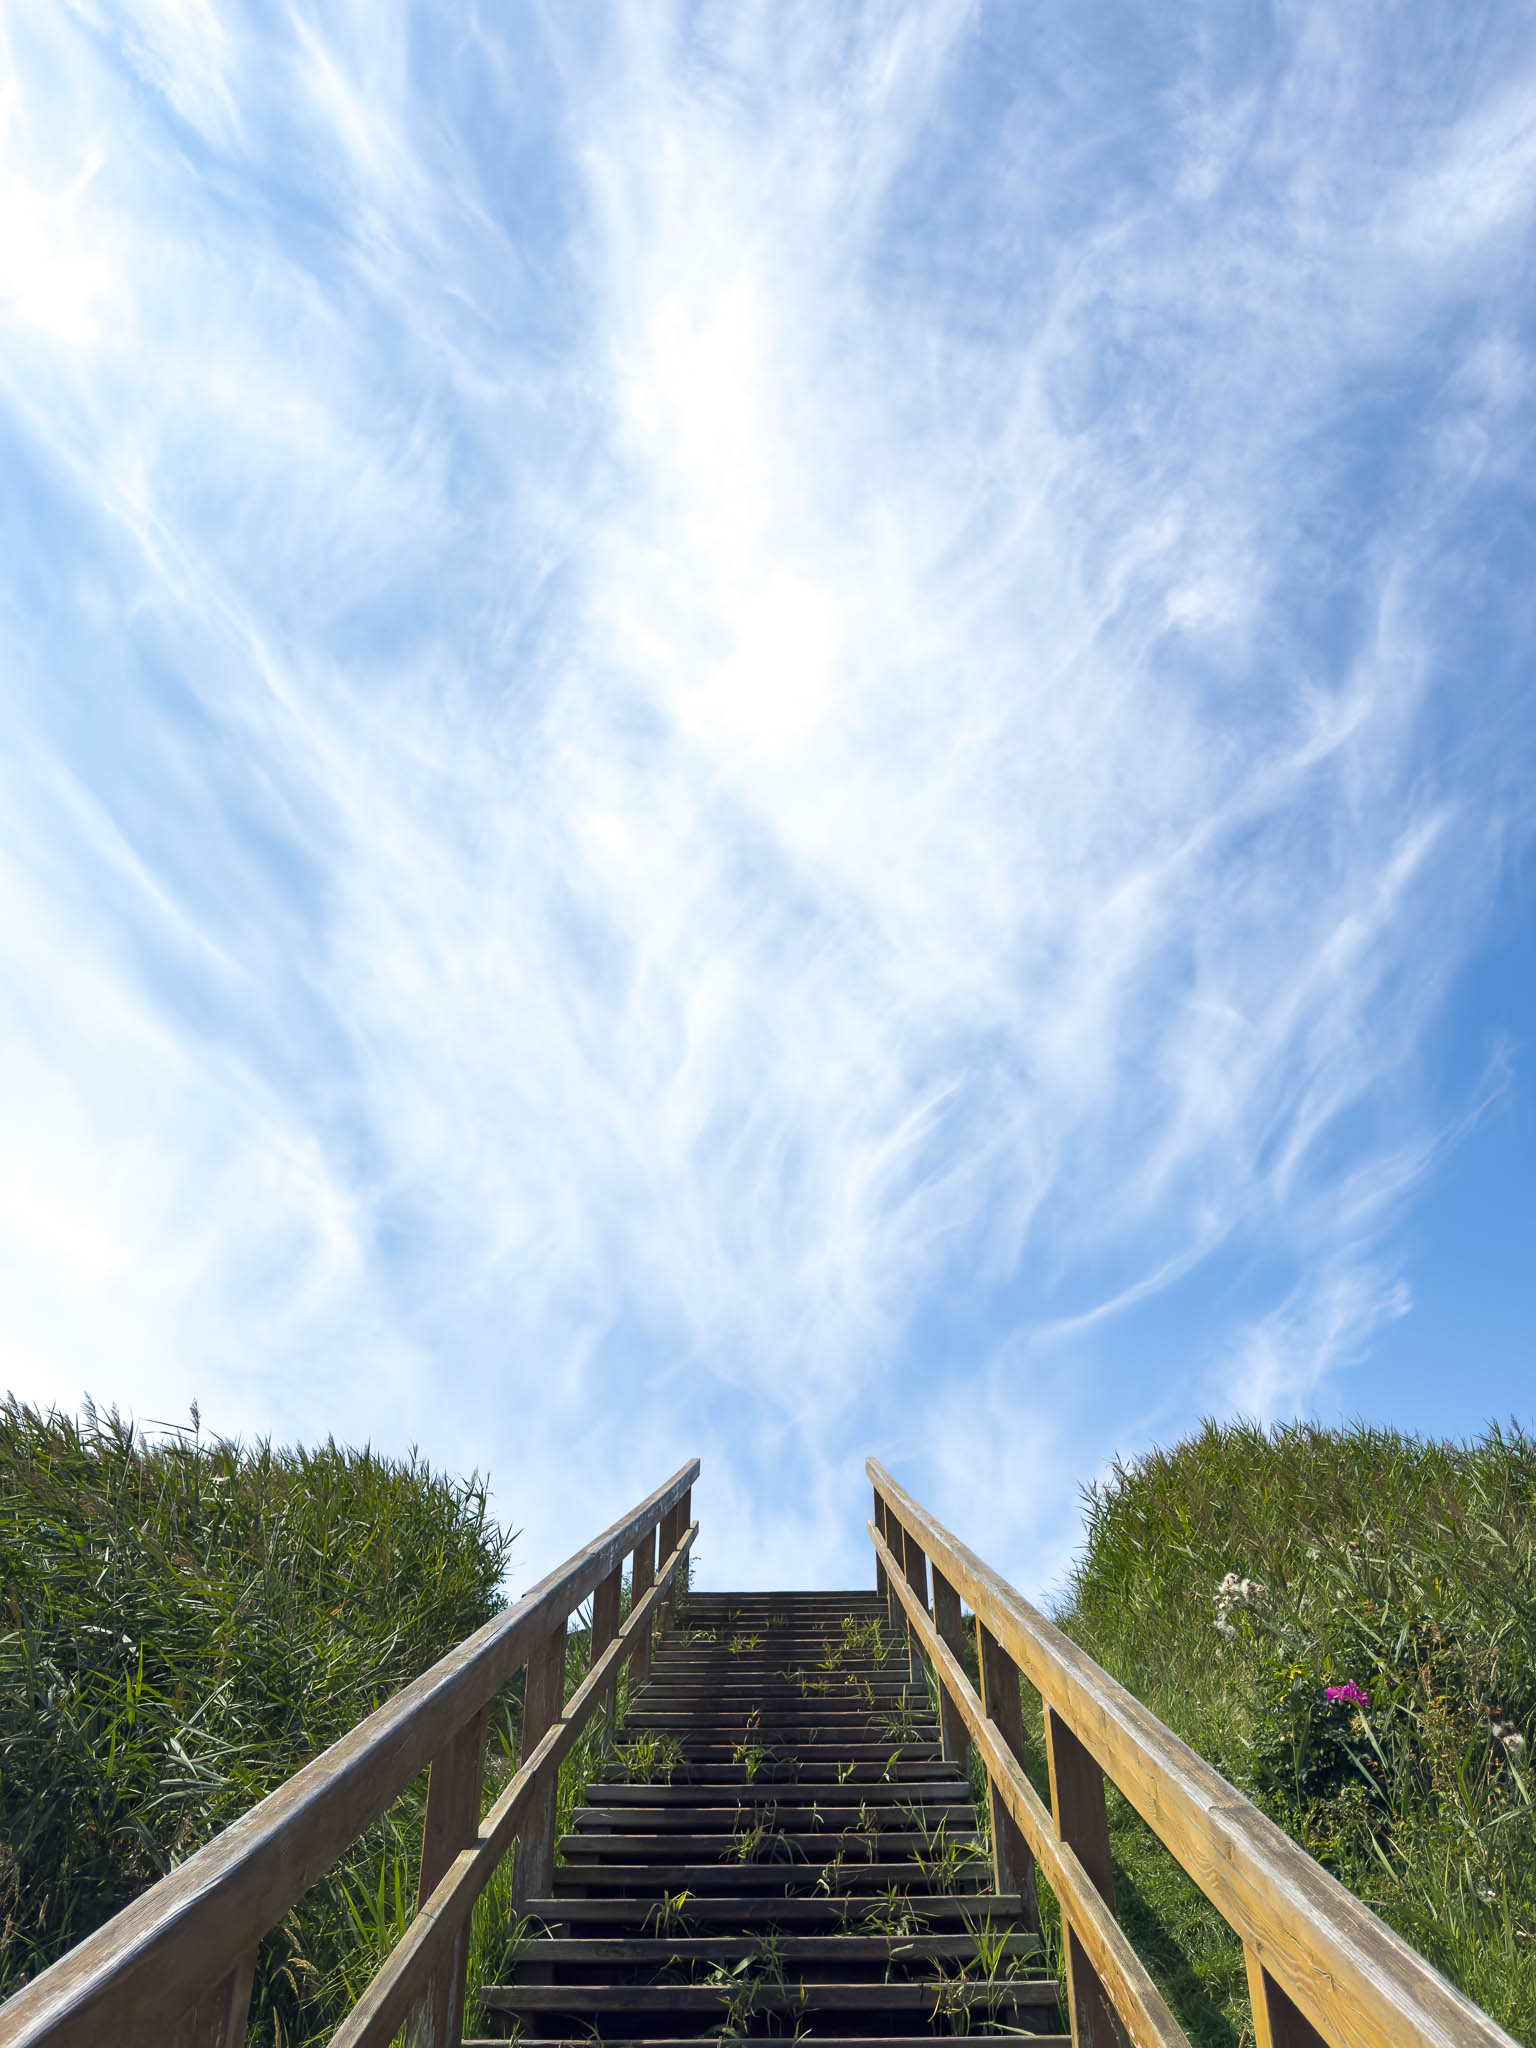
point(1231, 1581)
point(183, 1624)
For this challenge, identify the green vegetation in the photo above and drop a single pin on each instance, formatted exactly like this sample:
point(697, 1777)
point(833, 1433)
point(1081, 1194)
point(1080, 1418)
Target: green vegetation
point(187, 1622)
point(1231, 1582)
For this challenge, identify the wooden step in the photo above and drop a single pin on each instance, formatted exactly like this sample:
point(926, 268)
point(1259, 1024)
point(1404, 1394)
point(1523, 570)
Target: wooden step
point(935, 1910)
point(709, 1999)
point(656, 1931)
point(832, 1769)
point(780, 1848)
point(812, 1949)
point(692, 2040)
point(584, 2039)
point(728, 1875)
point(824, 1818)
point(932, 1792)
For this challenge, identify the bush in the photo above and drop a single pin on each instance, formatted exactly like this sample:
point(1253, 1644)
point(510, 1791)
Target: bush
point(187, 1623)
point(1344, 1623)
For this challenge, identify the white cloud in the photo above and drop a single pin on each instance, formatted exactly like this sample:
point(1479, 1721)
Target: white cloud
point(700, 769)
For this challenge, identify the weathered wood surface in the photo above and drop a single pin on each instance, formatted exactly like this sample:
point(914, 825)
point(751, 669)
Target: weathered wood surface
point(797, 1923)
point(946, 1614)
point(543, 1697)
point(420, 1952)
point(606, 1603)
point(136, 1979)
point(453, 1814)
point(1345, 1972)
point(1138, 2003)
point(1013, 1866)
point(1077, 1801)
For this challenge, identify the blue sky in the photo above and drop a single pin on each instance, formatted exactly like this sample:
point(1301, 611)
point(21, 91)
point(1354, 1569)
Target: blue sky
point(775, 731)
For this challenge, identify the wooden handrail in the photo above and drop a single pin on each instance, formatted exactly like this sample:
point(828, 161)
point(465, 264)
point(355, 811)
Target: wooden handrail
point(1322, 1968)
point(375, 2019)
point(175, 1966)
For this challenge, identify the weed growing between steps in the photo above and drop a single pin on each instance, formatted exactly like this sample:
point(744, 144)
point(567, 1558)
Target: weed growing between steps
point(189, 1622)
point(1344, 1623)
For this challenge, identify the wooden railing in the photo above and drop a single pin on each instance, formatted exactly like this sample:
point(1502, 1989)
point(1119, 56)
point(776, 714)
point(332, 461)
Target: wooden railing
point(1323, 1971)
point(174, 1969)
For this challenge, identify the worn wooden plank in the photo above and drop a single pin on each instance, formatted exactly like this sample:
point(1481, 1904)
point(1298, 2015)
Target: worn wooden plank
point(862, 2039)
point(135, 1977)
point(1347, 1973)
point(959, 1909)
point(767, 1997)
point(841, 1949)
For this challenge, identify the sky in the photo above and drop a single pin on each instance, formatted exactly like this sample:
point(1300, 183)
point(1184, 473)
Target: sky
point(775, 732)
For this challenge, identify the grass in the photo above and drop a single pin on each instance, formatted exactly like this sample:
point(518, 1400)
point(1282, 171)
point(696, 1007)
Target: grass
point(186, 1623)
point(1230, 1582)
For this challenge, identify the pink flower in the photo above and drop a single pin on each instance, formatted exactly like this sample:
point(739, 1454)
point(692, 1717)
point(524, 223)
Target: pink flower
point(1349, 1694)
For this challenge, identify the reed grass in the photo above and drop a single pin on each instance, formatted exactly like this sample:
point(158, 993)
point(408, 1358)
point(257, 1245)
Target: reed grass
point(1231, 1581)
point(186, 1621)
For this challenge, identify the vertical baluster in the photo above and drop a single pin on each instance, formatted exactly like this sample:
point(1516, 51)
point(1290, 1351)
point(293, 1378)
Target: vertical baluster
point(882, 1585)
point(1276, 2021)
point(684, 1524)
point(946, 1619)
point(606, 1602)
point(671, 1521)
point(533, 1874)
point(453, 1817)
point(221, 2016)
point(1013, 1868)
point(915, 1565)
point(1077, 1800)
point(642, 1576)
point(890, 1529)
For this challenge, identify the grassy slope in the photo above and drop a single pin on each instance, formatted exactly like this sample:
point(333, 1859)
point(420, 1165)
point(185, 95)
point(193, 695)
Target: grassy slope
point(1408, 1568)
point(184, 1624)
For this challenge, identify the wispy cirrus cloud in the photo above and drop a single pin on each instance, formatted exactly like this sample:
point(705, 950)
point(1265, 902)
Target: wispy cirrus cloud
point(725, 724)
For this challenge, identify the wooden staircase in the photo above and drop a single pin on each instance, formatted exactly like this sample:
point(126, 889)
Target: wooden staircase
point(779, 1850)
point(784, 1845)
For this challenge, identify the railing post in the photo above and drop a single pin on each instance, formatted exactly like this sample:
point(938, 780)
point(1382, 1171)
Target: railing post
point(946, 1619)
point(453, 1817)
point(890, 1529)
point(1077, 1801)
point(882, 1587)
point(533, 1873)
point(1276, 2022)
point(915, 1564)
point(221, 2016)
point(642, 1576)
point(679, 1531)
point(671, 1523)
point(606, 1602)
point(1013, 1868)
